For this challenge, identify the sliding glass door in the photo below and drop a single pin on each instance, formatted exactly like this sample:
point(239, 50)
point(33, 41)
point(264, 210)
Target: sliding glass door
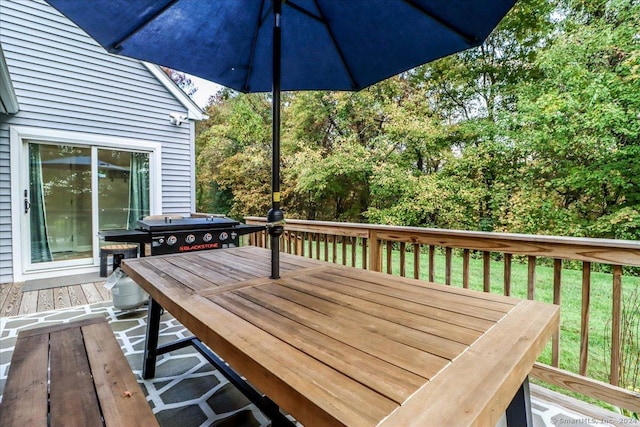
point(75, 191)
point(60, 203)
point(123, 189)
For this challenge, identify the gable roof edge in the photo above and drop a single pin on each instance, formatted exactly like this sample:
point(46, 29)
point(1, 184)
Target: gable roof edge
point(8, 99)
point(194, 112)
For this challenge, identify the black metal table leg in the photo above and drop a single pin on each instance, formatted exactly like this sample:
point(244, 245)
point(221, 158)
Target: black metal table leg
point(151, 340)
point(266, 405)
point(152, 351)
point(519, 410)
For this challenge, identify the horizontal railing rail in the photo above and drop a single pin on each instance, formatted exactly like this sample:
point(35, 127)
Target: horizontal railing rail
point(401, 250)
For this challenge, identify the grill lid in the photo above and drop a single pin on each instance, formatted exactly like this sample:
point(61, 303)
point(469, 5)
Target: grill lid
point(168, 224)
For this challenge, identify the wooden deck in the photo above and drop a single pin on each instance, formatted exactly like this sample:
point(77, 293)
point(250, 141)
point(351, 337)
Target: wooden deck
point(14, 302)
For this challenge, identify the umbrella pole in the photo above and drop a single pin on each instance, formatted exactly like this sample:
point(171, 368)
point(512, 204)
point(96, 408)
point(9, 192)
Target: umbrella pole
point(275, 217)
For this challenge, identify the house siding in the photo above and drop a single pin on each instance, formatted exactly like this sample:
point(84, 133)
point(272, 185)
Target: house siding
point(65, 81)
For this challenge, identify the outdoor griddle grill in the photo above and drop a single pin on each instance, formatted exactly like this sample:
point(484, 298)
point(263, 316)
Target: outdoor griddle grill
point(168, 236)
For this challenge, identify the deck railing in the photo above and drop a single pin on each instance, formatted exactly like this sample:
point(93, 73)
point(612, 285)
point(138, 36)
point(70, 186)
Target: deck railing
point(395, 250)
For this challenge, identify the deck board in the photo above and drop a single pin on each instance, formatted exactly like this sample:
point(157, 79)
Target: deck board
point(61, 298)
point(45, 300)
point(104, 292)
point(11, 306)
point(4, 293)
point(14, 302)
point(76, 295)
point(91, 293)
point(29, 303)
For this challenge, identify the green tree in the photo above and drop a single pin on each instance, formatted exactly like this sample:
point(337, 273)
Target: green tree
point(578, 125)
point(472, 93)
point(334, 139)
point(233, 155)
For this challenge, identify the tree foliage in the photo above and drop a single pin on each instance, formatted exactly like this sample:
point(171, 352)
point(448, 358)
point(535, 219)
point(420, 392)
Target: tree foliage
point(183, 81)
point(535, 131)
point(578, 126)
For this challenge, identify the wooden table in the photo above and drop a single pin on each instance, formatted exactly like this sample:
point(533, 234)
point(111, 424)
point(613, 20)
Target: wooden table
point(335, 345)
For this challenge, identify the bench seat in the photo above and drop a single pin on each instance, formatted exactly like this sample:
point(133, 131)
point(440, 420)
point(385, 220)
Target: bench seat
point(72, 374)
point(128, 251)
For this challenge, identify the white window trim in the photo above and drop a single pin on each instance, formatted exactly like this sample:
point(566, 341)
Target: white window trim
point(20, 134)
point(8, 97)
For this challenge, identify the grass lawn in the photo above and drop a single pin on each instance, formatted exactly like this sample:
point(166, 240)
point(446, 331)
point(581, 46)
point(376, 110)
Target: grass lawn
point(600, 313)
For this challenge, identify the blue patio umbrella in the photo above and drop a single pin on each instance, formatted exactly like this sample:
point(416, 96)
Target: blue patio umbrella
point(275, 45)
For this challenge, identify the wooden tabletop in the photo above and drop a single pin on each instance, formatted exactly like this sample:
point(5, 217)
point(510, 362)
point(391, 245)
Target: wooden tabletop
point(335, 345)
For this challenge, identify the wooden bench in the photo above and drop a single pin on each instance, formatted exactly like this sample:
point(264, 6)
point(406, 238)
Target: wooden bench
point(72, 374)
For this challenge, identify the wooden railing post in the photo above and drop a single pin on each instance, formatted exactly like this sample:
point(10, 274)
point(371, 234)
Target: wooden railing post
point(432, 262)
point(416, 261)
point(486, 267)
point(344, 250)
point(447, 266)
point(334, 249)
point(584, 317)
point(375, 252)
point(326, 247)
point(531, 277)
point(465, 268)
point(614, 375)
point(557, 284)
point(364, 253)
point(300, 243)
point(507, 274)
point(354, 244)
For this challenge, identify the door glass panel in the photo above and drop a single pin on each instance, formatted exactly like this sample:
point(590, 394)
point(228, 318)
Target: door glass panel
point(60, 202)
point(123, 189)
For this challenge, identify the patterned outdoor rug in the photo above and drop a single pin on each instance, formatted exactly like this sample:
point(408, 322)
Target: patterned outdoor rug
point(187, 390)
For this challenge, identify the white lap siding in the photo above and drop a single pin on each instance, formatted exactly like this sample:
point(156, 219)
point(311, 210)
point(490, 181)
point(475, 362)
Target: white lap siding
point(64, 81)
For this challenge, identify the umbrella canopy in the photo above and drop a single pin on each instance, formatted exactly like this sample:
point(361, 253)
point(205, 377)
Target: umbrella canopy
point(326, 44)
point(274, 45)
